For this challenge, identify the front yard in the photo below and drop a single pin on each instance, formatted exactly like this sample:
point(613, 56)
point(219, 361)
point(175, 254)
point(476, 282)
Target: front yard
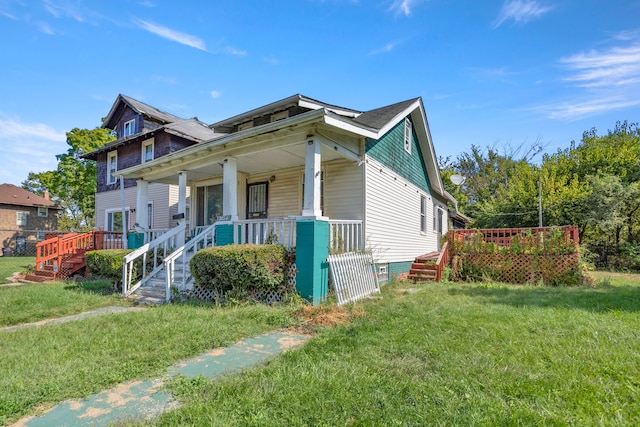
point(421, 354)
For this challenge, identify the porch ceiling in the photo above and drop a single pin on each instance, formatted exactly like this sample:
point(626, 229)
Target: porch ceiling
point(256, 162)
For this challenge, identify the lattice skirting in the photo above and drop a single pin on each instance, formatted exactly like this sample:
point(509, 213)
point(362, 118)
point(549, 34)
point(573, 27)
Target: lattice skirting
point(263, 296)
point(524, 268)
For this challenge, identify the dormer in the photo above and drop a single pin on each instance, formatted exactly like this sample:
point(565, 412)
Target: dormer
point(129, 117)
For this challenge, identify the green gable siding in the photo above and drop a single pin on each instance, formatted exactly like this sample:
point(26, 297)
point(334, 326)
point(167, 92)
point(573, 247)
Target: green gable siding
point(389, 150)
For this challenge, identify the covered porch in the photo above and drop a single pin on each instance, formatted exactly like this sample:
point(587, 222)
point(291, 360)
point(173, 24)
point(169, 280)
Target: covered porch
point(295, 185)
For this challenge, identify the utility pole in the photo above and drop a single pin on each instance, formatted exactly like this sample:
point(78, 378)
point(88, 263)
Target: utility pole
point(540, 202)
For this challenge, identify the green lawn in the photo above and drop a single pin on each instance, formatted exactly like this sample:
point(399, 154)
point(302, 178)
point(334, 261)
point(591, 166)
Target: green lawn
point(9, 265)
point(38, 301)
point(448, 355)
point(426, 354)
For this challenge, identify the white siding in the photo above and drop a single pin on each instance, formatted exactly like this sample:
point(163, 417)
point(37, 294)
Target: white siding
point(163, 196)
point(392, 223)
point(344, 190)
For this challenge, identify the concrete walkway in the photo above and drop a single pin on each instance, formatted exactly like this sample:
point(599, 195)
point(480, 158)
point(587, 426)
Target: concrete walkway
point(146, 399)
point(72, 317)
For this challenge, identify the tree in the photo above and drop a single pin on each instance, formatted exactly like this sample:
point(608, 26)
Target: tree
point(73, 184)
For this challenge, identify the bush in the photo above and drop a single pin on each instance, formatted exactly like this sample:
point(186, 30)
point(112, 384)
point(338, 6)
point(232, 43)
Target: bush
point(236, 271)
point(107, 264)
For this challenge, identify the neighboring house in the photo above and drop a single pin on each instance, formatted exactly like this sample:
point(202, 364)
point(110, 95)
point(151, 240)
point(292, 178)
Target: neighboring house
point(144, 133)
point(24, 219)
point(299, 157)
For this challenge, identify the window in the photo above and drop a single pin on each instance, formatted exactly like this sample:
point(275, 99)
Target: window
point(21, 219)
point(423, 214)
point(147, 151)
point(43, 212)
point(408, 135)
point(437, 219)
point(112, 167)
point(40, 235)
point(129, 128)
point(113, 219)
point(279, 116)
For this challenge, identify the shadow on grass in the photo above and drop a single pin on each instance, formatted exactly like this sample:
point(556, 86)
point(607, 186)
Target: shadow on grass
point(99, 287)
point(602, 298)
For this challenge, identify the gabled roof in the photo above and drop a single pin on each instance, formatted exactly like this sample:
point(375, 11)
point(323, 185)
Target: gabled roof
point(379, 117)
point(138, 107)
point(191, 129)
point(12, 195)
point(294, 100)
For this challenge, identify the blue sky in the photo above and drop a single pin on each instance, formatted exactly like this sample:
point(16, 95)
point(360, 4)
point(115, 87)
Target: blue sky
point(491, 73)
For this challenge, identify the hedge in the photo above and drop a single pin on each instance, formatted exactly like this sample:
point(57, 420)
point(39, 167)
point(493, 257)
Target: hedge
point(236, 271)
point(107, 264)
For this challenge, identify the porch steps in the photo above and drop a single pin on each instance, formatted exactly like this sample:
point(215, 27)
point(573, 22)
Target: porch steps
point(153, 292)
point(71, 264)
point(424, 267)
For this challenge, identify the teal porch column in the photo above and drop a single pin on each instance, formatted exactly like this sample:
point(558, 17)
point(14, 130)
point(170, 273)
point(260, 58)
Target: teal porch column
point(312, 250)
point(224, 234)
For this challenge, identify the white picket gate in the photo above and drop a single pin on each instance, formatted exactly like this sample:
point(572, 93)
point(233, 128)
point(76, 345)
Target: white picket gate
point(353, 276)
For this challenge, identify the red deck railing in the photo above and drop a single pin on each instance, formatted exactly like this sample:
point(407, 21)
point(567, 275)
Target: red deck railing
point(51, 254)
point(503, 236)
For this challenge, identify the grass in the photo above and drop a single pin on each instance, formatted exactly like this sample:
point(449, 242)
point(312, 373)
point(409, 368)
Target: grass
point(33, 302)
point(42, 366)
point(433, 354)
point(10, 265)
point(448, 354)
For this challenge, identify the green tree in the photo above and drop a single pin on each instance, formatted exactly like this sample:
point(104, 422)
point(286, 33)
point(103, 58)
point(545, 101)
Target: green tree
point(73, 184)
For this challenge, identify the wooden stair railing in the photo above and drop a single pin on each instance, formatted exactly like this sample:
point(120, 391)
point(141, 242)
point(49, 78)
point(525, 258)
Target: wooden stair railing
point(429, 266)
point(63, 256)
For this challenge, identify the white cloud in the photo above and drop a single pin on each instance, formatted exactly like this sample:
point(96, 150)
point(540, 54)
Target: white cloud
point(173, 35)
point(10, 128)
point(45, 28)
point(8, 15)
point(63, 8)
point(233, 51)
point(28, 147)
point(618, 66)
point(585, 108)
point(402, 7)
point(520, 11)
point(147, 3)
point(384, 49)
point(215, 94)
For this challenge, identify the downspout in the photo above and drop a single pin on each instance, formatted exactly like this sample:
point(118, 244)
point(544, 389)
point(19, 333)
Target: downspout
point(124, 216)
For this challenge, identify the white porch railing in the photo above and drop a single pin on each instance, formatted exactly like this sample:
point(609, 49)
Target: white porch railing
point(143, 264)
point(260, 231)
point(153, 233)
point(178, 272)
point(345, 236)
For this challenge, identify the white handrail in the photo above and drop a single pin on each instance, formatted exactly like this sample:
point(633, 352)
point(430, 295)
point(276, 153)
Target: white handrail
point(201, 240)
point(260, 231)
point(162, 244)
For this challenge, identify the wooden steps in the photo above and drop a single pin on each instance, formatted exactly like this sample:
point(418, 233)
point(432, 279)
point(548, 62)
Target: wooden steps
point(428, 267)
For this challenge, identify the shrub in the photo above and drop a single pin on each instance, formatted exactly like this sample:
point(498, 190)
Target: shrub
point(107, 264)
point(236, 271)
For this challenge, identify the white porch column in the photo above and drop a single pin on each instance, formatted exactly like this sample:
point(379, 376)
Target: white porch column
point(312, 177)
point(182, 203)
point(142, 201)
point(230, 188)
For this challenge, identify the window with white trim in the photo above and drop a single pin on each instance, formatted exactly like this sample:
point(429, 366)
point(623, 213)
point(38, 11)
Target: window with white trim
point(408, 135)
point(21, 219)
point(438, 216)
point(129, 128)
point(113, 219)
point(43, 212)
point(112, 167)
point(423, 214)
point(147, 151)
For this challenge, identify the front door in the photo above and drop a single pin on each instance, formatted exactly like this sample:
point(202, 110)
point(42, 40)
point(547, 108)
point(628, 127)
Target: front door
point(257, 200)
